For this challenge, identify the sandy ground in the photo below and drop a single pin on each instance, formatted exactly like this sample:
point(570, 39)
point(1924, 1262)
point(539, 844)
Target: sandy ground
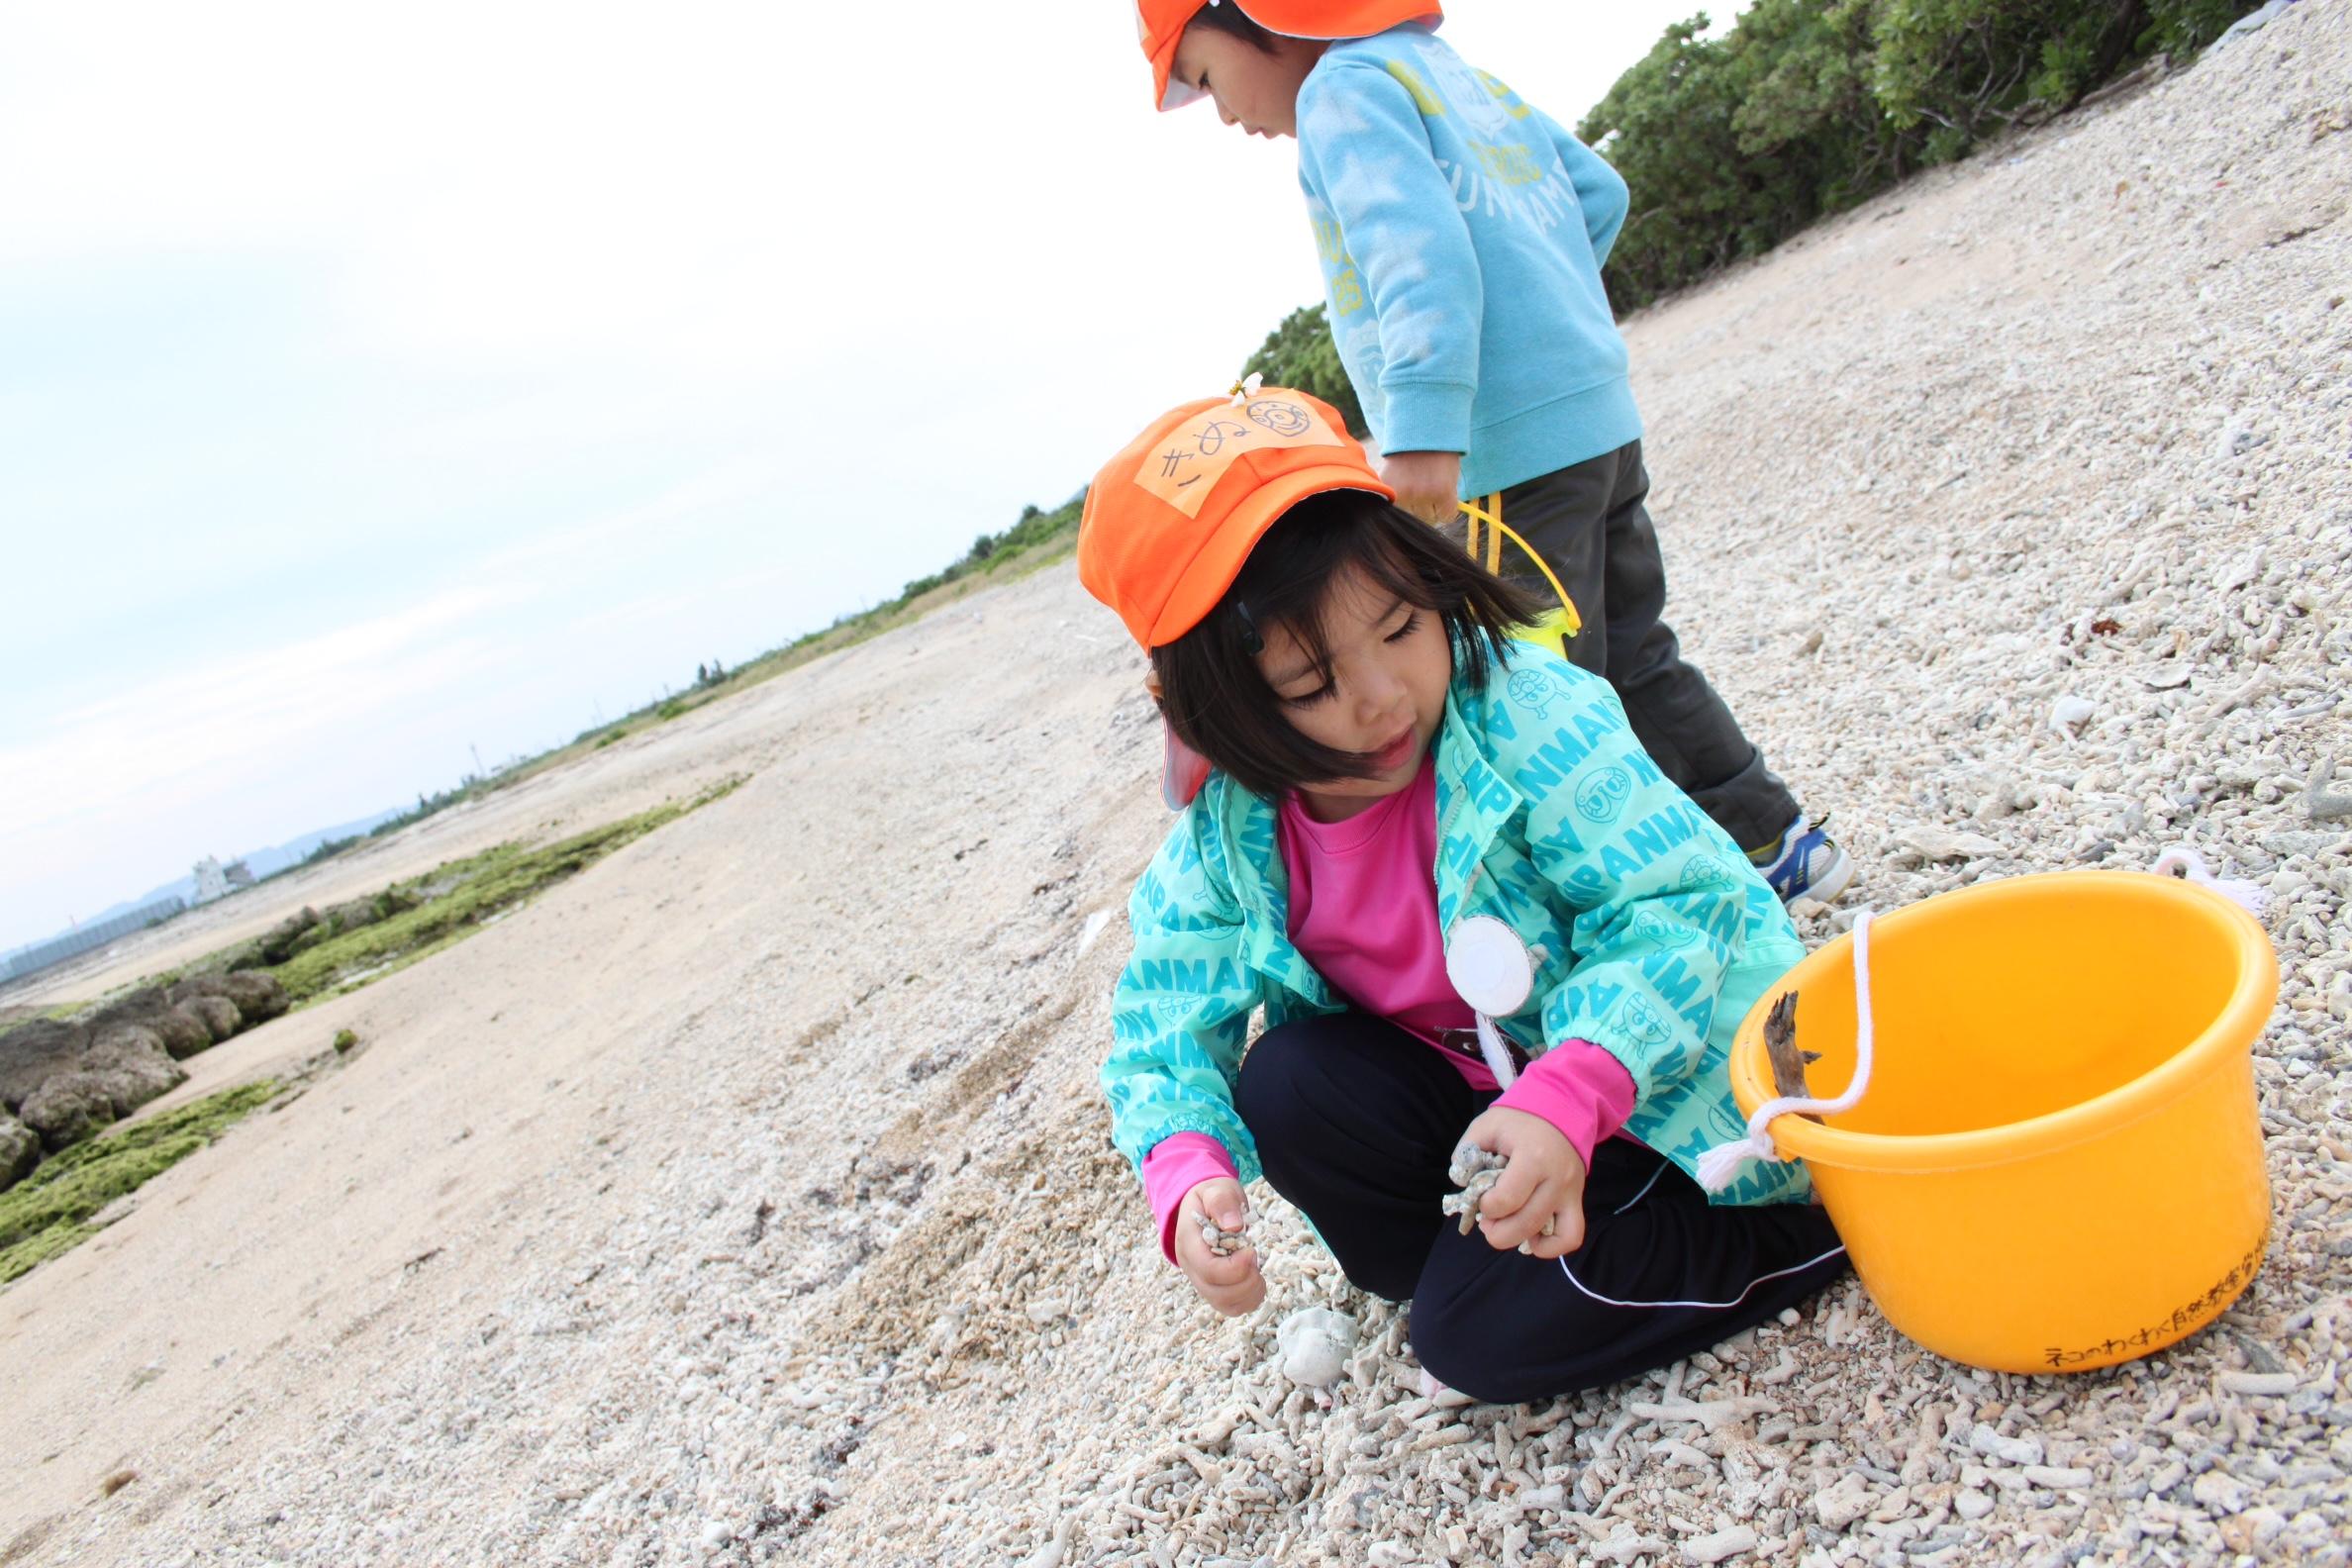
point(746, 1198)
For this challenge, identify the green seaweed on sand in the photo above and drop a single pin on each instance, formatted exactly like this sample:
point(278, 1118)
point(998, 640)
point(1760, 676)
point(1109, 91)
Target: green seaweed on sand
point(456, 899)
point(44, 1214)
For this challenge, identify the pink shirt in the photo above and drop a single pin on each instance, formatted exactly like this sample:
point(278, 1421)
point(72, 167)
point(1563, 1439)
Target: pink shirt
point(1363, 910)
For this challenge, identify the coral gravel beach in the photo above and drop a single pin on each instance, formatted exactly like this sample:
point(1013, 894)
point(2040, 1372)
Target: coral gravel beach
point(747, 1198)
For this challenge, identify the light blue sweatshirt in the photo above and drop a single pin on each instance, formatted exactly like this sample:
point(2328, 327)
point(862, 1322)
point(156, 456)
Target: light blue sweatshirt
point(1462, 232)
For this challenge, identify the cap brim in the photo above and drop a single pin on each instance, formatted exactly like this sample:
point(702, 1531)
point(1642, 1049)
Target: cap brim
point(1327, 20)
point(1210, 573)
point(1166, 90)
point(1321, 21)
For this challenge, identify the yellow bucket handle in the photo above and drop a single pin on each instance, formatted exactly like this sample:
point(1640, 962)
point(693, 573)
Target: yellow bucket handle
point(1490, 514)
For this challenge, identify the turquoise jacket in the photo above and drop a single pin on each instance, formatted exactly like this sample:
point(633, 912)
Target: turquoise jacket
point(1462, 232)
point(1652, 933)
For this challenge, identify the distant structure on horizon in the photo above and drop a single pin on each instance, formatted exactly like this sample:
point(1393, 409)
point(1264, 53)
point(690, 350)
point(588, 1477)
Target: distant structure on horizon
point(237, 876)
point(42, 955)
point(212, 882)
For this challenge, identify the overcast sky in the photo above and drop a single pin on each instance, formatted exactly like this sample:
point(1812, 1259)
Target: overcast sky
point(377, 383)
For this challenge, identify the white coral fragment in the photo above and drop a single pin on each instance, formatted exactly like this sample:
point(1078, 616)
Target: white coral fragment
point(1316, 1342)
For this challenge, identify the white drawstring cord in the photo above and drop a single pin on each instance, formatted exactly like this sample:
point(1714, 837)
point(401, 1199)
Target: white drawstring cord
point(1491, 968)
point(1498, 1059)
point(1719, 1164)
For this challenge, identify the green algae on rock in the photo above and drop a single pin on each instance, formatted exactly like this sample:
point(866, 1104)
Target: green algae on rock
point(453, 901)
point(46, 1213)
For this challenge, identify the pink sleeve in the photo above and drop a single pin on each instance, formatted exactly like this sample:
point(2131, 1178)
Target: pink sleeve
point(1578, 1088)
point(1178, 1164)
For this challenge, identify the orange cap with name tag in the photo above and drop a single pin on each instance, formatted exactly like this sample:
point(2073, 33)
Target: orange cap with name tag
point(1163, 23)
point(1170, 521)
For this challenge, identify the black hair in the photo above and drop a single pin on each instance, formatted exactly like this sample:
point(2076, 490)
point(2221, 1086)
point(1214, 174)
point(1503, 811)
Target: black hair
point(1215, 695)
point(1228, 17)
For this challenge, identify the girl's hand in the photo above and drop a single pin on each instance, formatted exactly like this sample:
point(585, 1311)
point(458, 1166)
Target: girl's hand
point(1428, 485)
point(1232, 1285)
point(1544, 1181)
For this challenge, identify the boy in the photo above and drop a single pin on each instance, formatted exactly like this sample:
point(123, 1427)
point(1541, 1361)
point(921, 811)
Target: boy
point(1461, 233)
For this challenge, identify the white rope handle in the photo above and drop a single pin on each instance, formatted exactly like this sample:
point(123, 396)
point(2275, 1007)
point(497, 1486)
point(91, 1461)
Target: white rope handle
point(2245, 895)
point(1719, 1164)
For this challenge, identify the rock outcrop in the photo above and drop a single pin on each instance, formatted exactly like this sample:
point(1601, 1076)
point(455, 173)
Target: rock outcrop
point(64, 1080)
point(68, 1107)
point(32, 1054)
point(258, 997)
point(129, 1060)
point(181, 1032)
point(20, 1150)
point(283, 940)
point(219, 1017)
point(355, 914)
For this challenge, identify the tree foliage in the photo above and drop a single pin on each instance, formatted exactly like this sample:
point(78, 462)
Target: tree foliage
point(1731, 144)
point(1300, 353)
point(1805, 108)
point(1035, 527)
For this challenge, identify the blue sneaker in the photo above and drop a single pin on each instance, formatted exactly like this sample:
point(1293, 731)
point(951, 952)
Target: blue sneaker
point(1805, 862)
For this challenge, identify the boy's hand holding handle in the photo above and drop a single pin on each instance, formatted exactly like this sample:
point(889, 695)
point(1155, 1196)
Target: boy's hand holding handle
point(1232, 1285)
point(1427, 483)
point(1543, 1181)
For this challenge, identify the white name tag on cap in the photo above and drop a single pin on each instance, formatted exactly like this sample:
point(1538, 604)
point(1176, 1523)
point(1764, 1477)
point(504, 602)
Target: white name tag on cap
point(1185, 467)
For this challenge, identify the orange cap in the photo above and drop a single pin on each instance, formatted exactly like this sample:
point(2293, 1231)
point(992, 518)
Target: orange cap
point(1170, 520)
point(1162, 24)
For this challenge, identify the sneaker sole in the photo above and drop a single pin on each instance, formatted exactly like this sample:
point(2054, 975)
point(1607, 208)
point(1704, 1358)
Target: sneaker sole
point(1832, 882)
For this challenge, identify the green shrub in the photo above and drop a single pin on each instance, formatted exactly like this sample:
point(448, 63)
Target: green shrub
point(2182, 27)
point(1300, 353)
point(1731, 144)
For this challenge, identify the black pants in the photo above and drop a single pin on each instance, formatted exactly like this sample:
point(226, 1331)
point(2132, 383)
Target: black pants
point(1355, 1122)
point(1589, 524)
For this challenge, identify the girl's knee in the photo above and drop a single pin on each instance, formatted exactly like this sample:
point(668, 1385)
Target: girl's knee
point(1278, 1080)
point(1468, 1356)
point(1442, 1341)
point(1510, 1330)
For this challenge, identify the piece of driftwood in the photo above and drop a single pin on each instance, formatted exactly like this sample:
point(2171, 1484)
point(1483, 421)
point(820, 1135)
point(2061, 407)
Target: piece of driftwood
point(1780, 1047)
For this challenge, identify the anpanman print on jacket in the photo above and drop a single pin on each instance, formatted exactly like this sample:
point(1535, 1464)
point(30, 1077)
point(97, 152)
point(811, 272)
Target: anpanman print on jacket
point(1652, 933)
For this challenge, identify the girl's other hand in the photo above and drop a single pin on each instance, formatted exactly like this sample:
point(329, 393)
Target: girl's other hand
point(1544, 1181)
point(1232, 1285)
point(1428, 485)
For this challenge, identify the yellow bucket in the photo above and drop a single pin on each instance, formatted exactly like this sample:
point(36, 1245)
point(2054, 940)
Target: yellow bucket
point(2056, 1163)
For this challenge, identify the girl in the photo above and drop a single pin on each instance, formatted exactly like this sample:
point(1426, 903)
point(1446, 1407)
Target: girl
point(1392, 779)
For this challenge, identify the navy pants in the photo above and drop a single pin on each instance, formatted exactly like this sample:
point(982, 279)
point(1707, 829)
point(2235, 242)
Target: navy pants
point(1590, 524)
point(1355, 1123)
